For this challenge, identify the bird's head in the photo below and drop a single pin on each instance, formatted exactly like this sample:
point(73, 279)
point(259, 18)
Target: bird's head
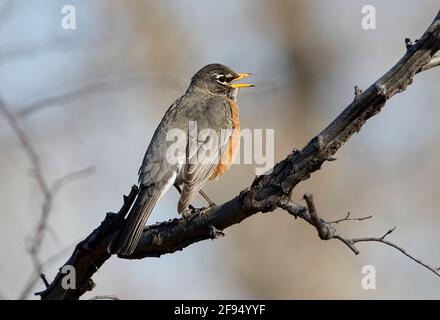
point(218, 79)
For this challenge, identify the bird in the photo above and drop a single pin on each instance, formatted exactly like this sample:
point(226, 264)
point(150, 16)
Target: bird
point(210, 102)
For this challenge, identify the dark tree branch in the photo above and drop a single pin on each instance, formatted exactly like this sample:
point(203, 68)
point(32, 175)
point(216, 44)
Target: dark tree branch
point(34, 276)
point(267, 192)
point(434, 62)
point(89, 255)
point(43, 277)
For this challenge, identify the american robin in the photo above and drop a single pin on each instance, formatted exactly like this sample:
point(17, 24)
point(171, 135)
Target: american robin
point(210, 103)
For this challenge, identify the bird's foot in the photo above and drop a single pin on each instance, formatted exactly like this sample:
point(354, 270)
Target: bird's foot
point(191, 211)
point(208, 200)
point(188, 212)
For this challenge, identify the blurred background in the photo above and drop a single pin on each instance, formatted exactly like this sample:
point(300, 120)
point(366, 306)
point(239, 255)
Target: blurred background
point(89, 99)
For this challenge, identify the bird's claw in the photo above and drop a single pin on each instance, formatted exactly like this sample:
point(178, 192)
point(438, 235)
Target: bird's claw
point(211, 204)
point(188, 213)
point(191, 211)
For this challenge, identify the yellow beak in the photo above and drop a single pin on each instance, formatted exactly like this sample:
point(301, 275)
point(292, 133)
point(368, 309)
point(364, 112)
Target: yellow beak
point(241, 85)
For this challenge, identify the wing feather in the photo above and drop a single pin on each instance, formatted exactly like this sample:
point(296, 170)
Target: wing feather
point(203, 157)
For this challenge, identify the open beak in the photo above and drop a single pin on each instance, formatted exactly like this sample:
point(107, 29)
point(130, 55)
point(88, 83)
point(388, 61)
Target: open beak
point(241, 85)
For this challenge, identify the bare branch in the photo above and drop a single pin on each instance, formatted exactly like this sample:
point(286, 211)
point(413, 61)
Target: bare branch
point(434, 62)
point(71, 177)
point(34, 277)
point(8, 54)
point(94, 87)
point(41, 181)
point(327, 232)
point(43, 277)
point(382, 239)
point(27, 147)
point(347, 218)
point(49, 193)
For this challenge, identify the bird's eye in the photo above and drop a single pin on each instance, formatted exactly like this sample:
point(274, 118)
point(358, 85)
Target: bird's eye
point(221, 78)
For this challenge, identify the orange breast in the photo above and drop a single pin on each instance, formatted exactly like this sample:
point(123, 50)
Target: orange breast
point(232, 148)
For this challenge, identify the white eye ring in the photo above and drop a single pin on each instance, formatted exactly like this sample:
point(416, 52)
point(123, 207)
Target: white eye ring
point(221, 78)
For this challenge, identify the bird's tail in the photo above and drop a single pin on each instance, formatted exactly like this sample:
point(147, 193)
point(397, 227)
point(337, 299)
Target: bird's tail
point(125, 242)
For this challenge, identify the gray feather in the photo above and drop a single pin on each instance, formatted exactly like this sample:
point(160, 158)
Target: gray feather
point(156, 174)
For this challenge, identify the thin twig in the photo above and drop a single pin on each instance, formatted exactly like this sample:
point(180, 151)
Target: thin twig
point(347, 218)
point(34, 277)
point(382, 239)
point(71, 177)
point(49, 192)
point(327, 232)
point(62, 43)
point(97, 86)
point(41, 181)
point(27, 147)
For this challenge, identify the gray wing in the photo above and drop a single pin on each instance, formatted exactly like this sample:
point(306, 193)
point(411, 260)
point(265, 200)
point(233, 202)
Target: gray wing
point(155, 169)
point(204, 149)
point(155, 177)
